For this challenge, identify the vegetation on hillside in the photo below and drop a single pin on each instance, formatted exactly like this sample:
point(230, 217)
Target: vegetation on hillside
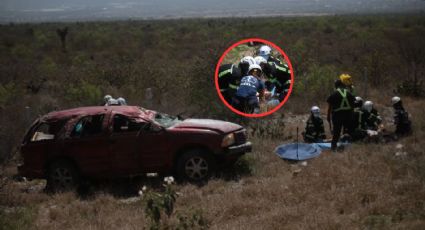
point(367, 186)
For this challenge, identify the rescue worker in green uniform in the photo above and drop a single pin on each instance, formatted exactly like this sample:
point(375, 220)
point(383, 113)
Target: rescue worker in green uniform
point(340, 111)
point(348, 82)
point(401, 118)
point(230, 75)
point(314, 130)
point(278, 76)
point(359, 121)
point(373, 120)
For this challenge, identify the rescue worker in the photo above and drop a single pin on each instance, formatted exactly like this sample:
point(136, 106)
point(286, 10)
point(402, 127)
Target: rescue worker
point(278, 76)
point(401, 118)
point(373, 120)
point(265, 51)
point(348, 82)
point(245, 99)
point(314, 130)
point(229, 76)
point(359, 121)
point(340, 111)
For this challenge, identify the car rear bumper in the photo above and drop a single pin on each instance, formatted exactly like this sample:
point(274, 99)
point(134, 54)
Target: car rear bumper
point(239, 149)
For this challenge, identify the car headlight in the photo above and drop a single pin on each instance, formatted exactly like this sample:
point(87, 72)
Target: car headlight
point(228, 140)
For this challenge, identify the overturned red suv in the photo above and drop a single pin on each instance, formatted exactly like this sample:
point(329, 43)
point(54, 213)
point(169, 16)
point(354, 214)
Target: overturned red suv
point(115, 141)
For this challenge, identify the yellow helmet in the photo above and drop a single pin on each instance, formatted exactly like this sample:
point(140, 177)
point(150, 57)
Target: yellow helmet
point(346, 79)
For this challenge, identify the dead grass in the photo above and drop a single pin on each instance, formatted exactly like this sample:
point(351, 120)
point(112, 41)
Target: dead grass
point(364, 187)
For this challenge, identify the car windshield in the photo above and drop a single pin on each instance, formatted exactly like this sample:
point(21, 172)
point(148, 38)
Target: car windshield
point(166, 120)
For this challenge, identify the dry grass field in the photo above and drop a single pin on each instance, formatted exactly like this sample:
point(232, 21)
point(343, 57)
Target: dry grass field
point(368, 186)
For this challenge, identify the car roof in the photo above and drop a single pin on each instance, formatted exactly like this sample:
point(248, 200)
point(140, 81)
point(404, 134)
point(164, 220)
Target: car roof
point(131, 111)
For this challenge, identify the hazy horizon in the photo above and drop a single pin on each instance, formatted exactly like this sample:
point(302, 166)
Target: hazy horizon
point(78, 10)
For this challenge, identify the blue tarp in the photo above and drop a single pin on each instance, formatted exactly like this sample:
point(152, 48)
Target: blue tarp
point(298, 151)
point(302, 151)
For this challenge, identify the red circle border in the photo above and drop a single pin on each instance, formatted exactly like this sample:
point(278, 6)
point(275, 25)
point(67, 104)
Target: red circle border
point(264, 42)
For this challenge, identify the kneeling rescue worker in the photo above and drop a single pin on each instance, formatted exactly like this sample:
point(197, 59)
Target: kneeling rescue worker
point(401, 118)
point(229, 76)
point(245, 99)
point(314, 130)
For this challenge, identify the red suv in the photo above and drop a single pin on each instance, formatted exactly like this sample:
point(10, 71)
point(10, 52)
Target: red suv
point(115, 141)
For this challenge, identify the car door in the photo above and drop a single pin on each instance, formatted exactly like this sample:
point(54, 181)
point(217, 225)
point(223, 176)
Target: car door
point(123, 144)
point(154, 149)
point(88, 145)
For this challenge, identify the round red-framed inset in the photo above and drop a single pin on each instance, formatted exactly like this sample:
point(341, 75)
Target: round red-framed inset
point(265, 42)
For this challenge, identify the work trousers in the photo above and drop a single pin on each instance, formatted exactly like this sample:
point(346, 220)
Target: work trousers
point(341, 120)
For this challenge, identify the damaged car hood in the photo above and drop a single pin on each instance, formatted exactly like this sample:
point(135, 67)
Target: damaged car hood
point(216, 125)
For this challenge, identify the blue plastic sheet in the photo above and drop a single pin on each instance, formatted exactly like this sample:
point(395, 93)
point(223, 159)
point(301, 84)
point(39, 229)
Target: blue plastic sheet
point(298, 151)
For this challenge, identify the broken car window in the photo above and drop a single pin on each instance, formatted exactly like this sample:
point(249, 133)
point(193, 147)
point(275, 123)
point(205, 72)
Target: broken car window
point(166, 120)
point(88, 126)
point(47, 131)
point(122, 123)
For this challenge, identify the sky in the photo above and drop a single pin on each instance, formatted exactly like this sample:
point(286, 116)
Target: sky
point(76, 10)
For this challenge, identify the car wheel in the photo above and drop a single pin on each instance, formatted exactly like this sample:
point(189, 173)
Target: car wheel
point(62, 176)
point(195, 166)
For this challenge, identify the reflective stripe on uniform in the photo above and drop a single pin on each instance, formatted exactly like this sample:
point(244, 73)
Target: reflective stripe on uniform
point(274, 80)
point(345, 105)
point(222, 73)
point(232, 86)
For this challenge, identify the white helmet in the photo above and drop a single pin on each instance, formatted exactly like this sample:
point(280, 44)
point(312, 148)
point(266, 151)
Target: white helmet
point(264, 51)
point(121, 101)
point(368, 105)
point(254, 66)
point(106, 98)
point(260, 60)
point(315, 110)
point(248, 59)
point(395, 100)
point(359, 99)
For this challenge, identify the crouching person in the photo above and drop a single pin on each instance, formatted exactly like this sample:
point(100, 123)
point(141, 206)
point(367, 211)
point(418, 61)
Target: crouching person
point(245, 99)
point(401, 118)
point(314, 130)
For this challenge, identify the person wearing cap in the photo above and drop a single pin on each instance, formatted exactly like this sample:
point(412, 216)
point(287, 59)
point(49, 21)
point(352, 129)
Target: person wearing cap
point(278, 76)
point(314, 130)
point(245, 99)
point(340, 111)
point(266, 52)
point(401, 118)
point(348, 82)
point(230, 75)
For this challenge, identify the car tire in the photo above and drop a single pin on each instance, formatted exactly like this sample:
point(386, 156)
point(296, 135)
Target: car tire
point(62, 176)
point(196, 166)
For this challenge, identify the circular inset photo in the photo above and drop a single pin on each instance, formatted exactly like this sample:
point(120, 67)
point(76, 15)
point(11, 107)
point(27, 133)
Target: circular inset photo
point(254, 77)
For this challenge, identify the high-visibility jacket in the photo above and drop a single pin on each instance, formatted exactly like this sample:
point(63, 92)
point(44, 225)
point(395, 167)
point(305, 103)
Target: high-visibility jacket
point(314, 129)
point(229, 77)
point(279, 75)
